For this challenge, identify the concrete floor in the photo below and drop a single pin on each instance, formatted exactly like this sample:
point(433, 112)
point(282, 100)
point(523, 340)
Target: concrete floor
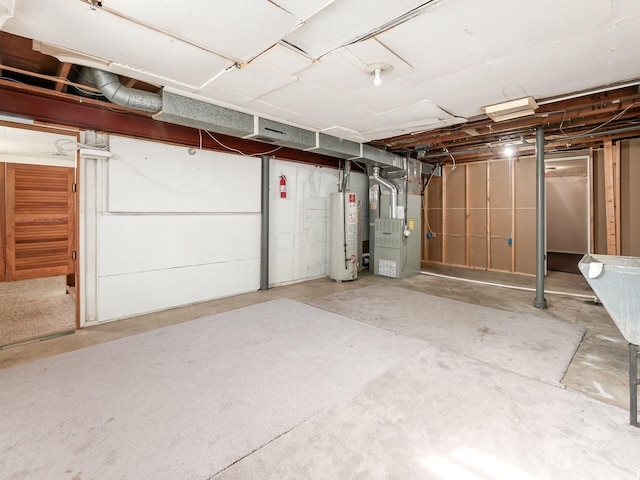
point(598, 370)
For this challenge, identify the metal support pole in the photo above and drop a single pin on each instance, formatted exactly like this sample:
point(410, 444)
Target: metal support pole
point(633, 384)
point(264, 228)
point(540, 301)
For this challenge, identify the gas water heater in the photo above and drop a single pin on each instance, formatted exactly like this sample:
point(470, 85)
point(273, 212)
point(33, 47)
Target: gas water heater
point(343, 258)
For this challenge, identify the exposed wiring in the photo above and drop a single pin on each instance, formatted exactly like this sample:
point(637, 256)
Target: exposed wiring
point(64, 145)
point(446, 150)
point(239, 151)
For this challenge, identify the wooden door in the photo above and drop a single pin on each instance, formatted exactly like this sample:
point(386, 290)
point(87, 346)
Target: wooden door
point(40, 221)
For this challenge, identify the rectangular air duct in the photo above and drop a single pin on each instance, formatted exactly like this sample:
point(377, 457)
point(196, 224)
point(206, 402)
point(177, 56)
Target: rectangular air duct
point(205, 116)
point(335, 147)
point(281, 134)
point(380, 158)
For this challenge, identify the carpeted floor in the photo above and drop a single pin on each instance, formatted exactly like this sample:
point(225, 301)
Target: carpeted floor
point(444, 416)
point(30, 309)
point(536, 347)
point(287, 390)
point(186, 401)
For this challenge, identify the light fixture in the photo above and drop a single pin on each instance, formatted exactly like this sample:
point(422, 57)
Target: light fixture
point(377, 77)
point(377, 69)
point(521, 107)
point(508, 149)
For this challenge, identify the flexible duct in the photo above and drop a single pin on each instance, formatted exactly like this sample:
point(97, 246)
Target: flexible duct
point(390, 186)
point(110, 86)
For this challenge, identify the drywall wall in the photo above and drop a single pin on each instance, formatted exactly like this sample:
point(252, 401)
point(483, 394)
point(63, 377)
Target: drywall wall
point(299, 223)
point(162, 226)
point(177, 227)
point(567, 212)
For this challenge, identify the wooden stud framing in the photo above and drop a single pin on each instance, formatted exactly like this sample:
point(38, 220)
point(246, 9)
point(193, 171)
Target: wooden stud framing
point(488, 215)
point(467, 218)
point(63, 74)
point(444, 214)
point(3, 237)
point(612, 196)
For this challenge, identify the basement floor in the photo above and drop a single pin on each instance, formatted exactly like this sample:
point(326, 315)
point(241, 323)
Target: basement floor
point(598, 370)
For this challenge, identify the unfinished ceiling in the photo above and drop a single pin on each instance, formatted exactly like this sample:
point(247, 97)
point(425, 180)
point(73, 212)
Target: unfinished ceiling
point(311, 63)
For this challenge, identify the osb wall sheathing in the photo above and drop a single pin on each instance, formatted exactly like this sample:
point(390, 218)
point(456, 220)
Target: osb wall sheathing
point(501, 214)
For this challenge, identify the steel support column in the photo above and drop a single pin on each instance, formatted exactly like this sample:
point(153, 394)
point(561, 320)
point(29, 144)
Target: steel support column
point(540, 301)
point(264, 228)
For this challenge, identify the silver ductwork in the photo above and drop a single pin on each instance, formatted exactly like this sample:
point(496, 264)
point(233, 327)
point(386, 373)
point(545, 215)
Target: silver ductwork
point(180, 110)
point(390, 186)
point(109, 84)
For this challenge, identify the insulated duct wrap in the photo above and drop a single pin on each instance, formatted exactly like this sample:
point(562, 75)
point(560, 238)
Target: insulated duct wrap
point(109, 84)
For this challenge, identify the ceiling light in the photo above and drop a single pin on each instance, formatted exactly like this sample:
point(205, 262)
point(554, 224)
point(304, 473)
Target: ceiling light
point(521, 107)
point(508, 150)
point(377, 69)
point(377, 77)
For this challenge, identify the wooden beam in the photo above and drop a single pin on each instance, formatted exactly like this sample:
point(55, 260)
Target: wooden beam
point(48, 77)
point(611, 176)
point(63, 74)
point(467, 219)
point(130, 82)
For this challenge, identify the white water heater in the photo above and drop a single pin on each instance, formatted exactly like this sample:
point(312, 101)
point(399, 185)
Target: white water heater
point(343, 254)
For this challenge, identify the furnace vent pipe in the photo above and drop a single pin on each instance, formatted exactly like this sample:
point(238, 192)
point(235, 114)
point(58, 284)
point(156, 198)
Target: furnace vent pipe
point(390, 186)
point(110, 86)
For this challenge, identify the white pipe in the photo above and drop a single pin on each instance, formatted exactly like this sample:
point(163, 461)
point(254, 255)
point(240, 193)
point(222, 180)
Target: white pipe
point(593, 298)
point(390, 186)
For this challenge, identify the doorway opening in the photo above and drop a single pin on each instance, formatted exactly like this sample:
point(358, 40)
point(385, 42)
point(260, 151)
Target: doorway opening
point(37, 234)
point(568, 212)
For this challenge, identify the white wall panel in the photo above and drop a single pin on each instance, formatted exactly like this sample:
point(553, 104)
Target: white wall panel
point(155, 177)
point(130, 244)
point(299, 224)
point(122, 296)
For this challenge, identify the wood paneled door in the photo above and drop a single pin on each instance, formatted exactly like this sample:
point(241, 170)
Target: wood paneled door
point(39, 221)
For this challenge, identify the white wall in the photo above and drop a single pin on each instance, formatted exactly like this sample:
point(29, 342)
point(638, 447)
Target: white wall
point(299, 224)
point(175, 228)
point(161, 228)
point(567, 214)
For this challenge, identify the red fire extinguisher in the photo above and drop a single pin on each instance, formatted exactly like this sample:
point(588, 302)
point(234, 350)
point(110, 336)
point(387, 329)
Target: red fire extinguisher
point(283, 186)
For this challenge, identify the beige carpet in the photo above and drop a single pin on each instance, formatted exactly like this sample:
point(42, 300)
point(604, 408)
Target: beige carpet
point(32, 309)
point(184, 402)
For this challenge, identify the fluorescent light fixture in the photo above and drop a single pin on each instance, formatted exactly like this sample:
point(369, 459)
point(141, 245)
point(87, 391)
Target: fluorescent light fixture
point(521, 107)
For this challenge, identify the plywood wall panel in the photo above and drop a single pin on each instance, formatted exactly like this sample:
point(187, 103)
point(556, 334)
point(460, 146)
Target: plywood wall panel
point(456, 187)
point(434, 217)
point(500, 184)
point(525, 182)
point(630, 198)
point(456, 236)
point(478, 255)
point(501, 251)
point(524, 241)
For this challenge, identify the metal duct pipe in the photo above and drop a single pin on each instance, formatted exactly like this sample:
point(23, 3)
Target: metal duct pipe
point(109, 84)
point(390, 186)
